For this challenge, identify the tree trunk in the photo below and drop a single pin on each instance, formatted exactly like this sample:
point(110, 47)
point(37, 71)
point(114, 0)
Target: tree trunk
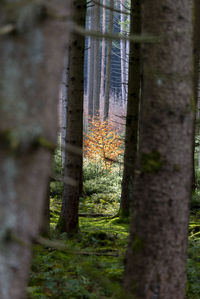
point(196, 79)
point(103, 51)
point(108, 64)
point(31, 59)
point(123, 52)
point(131, 138)
point(45, 225)
point(96, 86)
point(156, 257)
point(68, 221)
point(90, 81)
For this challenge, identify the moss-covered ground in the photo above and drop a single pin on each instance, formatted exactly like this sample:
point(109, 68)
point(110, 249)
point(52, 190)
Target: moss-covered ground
point(90, 265)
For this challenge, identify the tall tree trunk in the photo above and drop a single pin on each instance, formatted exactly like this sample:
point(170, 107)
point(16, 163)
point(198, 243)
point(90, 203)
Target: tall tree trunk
point(31, 61)
point(103, 51)
point(45, 225)
point(90, 79)
point(96, 86)
point(196, 79)
point(63, 109)
point(68, 221)
point(108, 64)
point(131, 138)
point(122, 52)
point(156, 258)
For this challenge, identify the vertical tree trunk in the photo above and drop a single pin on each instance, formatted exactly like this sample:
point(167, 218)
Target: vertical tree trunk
point(156, 258)
point(63, 108)
point(123, 52)
point(31, 61)
point(90, 81)
point(131, 138)
point(45, 226)
point(68, 221)
point(196, 79)
point(108, 64)
point(103, 51)
point(96, 86)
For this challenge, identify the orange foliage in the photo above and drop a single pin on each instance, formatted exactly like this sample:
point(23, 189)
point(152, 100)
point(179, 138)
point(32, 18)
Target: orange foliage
point(102, 142)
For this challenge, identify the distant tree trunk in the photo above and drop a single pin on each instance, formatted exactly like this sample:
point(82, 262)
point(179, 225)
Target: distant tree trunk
point(103, 51)
point(156, 258)
point(45, 225)
point(63, 109)
point(123, 52)
point(131, 138)
point(68, 221)
point(90, 81)
point(31, 61)
point(96, 86)
point(108, 64)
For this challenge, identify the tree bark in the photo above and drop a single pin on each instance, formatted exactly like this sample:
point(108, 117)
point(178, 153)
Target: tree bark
point(68, 221)
point(96, 86)
point(103, 51)
point(31, 58)
point(108, 64)
point(90, 82)
point(122, 52)
point(196, 80)
point(156, 257)
point(131, 137)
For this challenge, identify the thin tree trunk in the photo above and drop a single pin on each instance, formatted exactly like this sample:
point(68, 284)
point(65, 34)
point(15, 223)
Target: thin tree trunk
point(108, 64)
point(131, 138)
point(63, 112)
point(31, 62)
point(45, 227)
point(96, 86)
point(123, 52)
point(90, 82)
point(68, 221)
point(156, 258)
point(103, 51)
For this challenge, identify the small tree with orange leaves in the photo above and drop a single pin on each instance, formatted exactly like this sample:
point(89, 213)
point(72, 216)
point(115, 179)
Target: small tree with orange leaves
point(102, 142)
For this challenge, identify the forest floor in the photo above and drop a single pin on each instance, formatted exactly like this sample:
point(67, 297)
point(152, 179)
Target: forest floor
point(90, 265)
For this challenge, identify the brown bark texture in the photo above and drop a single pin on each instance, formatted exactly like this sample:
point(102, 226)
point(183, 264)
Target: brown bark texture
point(30, 58)
point(131, 137)
point(68, 221)
point(156, 258)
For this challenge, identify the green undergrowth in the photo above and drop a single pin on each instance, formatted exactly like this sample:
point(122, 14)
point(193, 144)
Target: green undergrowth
point(101, 189)
point(90, 266)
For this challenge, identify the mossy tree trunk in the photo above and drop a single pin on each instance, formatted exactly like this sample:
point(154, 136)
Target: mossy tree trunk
point(68, 221)
point(131, 137)
point(31, 60)
point(156, 258)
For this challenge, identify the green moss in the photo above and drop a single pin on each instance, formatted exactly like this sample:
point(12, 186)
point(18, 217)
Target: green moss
point(45, 143)
point(151, 162)
point(9, 140)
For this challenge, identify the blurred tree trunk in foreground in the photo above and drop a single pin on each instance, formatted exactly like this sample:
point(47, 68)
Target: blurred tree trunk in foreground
point(31, 57)
point(156, 258)
point(68, 221)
